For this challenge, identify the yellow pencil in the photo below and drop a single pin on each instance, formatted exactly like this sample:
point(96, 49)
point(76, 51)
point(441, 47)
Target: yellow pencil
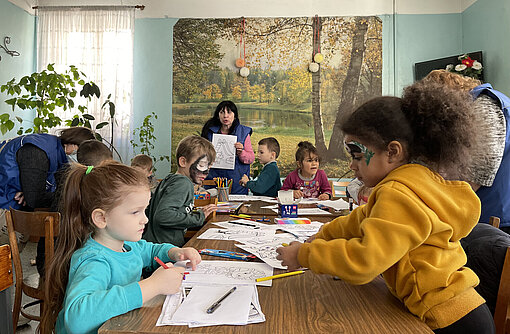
point(292, 273)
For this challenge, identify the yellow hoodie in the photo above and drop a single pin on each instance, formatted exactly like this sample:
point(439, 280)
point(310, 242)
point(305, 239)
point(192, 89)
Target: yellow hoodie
point(409, 231)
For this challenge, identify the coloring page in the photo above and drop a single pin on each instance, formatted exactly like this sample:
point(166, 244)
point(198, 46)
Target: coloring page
point(225, 151)
point(235, 234)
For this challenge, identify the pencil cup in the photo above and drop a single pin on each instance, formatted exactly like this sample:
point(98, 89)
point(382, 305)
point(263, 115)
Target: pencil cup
point(222, 194)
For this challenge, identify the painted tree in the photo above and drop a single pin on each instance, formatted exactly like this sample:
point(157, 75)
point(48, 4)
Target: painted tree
point(350, 85)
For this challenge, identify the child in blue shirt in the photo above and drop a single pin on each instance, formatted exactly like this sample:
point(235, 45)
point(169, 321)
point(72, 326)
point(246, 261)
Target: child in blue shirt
point(95, 274)
point(268, 182)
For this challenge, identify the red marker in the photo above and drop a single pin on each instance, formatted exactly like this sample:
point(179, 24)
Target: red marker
point(161, 263)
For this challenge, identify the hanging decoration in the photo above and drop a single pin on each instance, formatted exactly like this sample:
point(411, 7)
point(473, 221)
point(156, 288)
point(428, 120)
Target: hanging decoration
point(241, 61)
point(317, 56)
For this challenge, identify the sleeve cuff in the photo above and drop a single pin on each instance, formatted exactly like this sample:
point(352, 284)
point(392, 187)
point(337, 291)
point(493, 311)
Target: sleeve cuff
point(133, 296)
point(303, 255)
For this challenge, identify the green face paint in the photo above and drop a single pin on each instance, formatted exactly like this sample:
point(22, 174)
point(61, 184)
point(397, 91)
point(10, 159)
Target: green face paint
point(356, 147)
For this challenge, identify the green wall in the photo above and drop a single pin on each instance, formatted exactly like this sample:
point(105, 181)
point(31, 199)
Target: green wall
point(20, 27)
point(486, 27)
point(423, 37)
point(152, 82)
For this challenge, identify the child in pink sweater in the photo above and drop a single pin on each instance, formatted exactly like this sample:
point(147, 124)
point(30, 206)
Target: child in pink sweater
point(308, 181)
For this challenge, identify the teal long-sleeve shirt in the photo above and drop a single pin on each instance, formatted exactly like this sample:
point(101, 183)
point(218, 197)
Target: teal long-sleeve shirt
point(268, 182)
point(170, 211)
point(104, 283)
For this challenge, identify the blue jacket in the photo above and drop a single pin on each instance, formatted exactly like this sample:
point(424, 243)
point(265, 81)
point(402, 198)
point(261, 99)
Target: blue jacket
point(9, 171)
point(240, 169)
point(496, 199)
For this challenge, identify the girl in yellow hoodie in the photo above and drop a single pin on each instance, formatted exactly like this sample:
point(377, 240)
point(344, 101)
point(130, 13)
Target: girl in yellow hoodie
point(409, 149)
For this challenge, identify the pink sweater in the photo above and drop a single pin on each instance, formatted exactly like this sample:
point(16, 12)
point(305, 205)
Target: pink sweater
point(312, 188)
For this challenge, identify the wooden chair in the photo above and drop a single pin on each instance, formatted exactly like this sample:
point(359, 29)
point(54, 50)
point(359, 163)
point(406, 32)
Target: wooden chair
point(199, 203)
point(5, 282)
point(494, 221)
point(501, 316)
point(339, 188)
point(39, 224)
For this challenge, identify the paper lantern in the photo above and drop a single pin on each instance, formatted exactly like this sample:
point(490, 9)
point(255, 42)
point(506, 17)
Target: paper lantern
point(244, 71)
point(318, 58)
point(313, 67)
point(240, 62)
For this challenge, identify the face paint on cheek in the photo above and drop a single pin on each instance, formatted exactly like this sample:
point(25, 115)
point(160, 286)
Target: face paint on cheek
point(356, 147)
point(200, 166)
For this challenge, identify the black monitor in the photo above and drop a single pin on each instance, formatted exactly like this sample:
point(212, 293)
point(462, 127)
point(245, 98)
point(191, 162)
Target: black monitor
point(423, 68)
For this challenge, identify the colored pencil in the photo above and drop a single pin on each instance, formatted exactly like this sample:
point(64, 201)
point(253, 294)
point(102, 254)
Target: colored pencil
point(292, 273)
point(161, 263)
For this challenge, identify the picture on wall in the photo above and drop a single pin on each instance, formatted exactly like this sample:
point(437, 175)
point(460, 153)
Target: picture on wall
point(291, 78)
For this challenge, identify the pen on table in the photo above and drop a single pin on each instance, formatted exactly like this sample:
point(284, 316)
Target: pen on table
point(292, 273)
point(244, 224)
point(295, 235)
point(161, 263)
point(216, 304)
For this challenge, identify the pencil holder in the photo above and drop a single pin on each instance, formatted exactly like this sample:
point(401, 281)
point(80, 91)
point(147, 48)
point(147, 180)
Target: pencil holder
point(288, 210)
point(222, 194)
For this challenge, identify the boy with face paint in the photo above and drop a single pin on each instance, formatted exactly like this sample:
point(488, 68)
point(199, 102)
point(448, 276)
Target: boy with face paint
point(170, 211)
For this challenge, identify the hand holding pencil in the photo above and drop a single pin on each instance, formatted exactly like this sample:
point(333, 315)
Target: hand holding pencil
point(289, 255)
point(186, 253)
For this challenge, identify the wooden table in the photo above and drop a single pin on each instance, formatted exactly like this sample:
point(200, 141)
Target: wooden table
point(306, 303)
point(254, 208)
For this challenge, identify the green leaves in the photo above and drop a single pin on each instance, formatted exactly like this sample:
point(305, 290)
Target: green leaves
point(47, 91)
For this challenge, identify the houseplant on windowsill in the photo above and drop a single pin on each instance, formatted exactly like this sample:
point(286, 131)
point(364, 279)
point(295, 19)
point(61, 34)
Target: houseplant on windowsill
point(44, 92)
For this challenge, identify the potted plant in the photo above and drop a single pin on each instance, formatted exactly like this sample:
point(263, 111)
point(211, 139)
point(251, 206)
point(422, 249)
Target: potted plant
point(44, 92)
point(146, 138)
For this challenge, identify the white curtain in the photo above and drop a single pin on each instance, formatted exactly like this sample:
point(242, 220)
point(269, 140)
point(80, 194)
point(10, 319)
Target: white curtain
point(99, 42)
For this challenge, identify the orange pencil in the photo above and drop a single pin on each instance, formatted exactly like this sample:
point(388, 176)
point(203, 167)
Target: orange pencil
point(161, 263)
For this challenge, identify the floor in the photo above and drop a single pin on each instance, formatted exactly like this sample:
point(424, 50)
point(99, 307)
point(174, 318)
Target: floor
point(28, 253)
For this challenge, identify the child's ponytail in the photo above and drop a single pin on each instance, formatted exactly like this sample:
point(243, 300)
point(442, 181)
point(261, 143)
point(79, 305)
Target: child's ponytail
point(444, 131)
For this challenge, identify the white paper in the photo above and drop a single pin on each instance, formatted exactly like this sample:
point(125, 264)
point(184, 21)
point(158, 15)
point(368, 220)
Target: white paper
point(227, 272)
point(247, 198)
point(338, 204)
point(265, 252)
point(235, 234)
point(286, 196)
point(234, 309)
point(225, 151)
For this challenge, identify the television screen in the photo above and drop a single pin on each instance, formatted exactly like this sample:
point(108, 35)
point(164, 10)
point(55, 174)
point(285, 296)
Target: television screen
point(423, 68)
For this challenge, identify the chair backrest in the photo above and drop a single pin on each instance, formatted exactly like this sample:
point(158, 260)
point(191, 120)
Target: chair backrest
point(503, 300)
point(339, 188)
point(203, 202)
point(494, 221)
point(6, 279)
point(37, 224)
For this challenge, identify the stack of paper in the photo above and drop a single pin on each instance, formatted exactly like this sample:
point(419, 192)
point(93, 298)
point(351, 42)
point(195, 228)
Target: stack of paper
point(206, 285)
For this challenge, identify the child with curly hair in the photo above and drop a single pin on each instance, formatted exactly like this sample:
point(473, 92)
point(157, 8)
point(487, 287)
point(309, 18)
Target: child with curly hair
point(411, 150)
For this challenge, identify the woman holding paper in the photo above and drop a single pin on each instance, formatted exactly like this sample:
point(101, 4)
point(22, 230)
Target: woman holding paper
point(225, 121)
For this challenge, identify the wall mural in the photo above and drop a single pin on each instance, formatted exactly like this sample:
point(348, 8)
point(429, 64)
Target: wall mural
point(291, 78)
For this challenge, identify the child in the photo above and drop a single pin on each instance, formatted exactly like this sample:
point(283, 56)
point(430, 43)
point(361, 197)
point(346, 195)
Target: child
point(92, 152)
point(409, 230)
point(171, 209)
point(144, 163)
point(268, 182)
point(95, 274)
point(308, 180)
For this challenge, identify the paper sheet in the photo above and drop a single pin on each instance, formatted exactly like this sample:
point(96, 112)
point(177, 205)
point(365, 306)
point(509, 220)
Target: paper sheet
point(225, 151)
point(227, 272)
point(247, 198)
point(235, 234)
point(309, 211)
point(234, 309)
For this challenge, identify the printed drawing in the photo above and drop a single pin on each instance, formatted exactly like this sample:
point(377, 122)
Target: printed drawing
point(225, 151)
point(238, 273)
point(222, 234)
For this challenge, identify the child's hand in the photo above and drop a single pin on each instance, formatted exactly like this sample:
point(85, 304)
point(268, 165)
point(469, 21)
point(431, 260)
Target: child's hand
point(244, 180)
point(208, 209)
point(289, 255)
point(323, 197)
point(186, 253)
point(239, 147)
point(298, 194)
point(167, 281)
point(20, 198)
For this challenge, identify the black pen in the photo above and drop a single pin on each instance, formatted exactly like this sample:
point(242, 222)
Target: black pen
point(244, 224)
point(214, 306)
